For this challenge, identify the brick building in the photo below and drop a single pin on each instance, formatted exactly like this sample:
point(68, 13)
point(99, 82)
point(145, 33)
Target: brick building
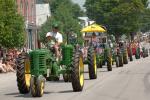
point(27, 8)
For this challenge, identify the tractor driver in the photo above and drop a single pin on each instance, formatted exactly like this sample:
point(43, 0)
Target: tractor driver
point(56, 39)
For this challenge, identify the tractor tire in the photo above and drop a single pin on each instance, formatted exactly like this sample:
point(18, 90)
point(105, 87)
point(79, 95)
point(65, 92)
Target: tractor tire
point(117, 61)
point(37, 86)
point(112, 62)
point(99, 64)
point(120, 61)
point(23, 73)
point(67, 77)
point(40, 86)
point(33, 86)
point(125, 58)
point(92, 65)
point(144, 54)
point(56, 78)
point(130, 55)
point(131, 58)
point(147, 52)
point(77, 72)
point(109, 63)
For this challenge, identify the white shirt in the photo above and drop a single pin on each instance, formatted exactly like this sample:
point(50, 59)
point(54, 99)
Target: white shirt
point(58, 36)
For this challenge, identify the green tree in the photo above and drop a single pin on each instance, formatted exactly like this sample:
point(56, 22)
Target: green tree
point(66, 14)
point(145, 23)
point(74, 8)
point(11, 25)
point(119, 16)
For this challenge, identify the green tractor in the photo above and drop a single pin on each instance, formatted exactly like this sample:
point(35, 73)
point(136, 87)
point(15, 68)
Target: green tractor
point(122, 54)
point(90, 58)
point(104, 55)
point(40, 65)
point(93, 48)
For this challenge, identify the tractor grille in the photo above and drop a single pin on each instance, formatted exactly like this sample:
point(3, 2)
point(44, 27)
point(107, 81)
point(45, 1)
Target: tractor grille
point(38, 61)
point(67, 53)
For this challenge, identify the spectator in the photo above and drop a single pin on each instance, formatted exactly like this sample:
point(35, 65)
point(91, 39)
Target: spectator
point(2, 67)
point(9, 67)
point(94, 39)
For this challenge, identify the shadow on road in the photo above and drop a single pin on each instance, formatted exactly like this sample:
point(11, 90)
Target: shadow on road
point(23, 95)
point(86, 71)
point(103, 71)
point(66, 91)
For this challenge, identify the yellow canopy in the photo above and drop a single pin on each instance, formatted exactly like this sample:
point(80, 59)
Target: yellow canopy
point(93, 28)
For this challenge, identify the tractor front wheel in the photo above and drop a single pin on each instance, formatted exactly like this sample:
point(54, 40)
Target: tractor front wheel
point(37, 86)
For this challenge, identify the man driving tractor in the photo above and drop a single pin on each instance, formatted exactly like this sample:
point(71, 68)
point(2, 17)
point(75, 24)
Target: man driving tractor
point(55, 38)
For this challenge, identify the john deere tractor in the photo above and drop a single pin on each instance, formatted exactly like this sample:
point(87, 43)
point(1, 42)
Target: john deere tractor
point(104, 55)
point(40, 65)
point(90, 59)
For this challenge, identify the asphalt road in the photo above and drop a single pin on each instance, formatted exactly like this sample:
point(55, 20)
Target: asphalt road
point(131, 82)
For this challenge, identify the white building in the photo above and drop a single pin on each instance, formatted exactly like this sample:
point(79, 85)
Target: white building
point(85, 21)
point(42, 13)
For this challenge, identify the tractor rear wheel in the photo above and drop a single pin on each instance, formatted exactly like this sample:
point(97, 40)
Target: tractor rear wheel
point(92, 65)
point(23, 73)
point(67, 77)
point(99, 64)
point(146, 52)
point(77, 73)
point(130, 54)
point(109, 63)
point(120, 60)
point(125, 58)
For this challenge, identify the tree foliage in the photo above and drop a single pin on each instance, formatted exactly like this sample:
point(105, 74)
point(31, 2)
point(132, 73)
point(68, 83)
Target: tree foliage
point(11, 25)
point(119, 16)
point(66, 14)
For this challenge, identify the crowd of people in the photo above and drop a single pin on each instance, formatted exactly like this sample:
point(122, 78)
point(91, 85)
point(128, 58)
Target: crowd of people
point(7, 60)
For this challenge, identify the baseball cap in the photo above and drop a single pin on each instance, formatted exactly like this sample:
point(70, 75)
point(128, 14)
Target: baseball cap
point(48, 34)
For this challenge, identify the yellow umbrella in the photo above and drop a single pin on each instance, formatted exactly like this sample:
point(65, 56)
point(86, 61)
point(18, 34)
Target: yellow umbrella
point(93, 28)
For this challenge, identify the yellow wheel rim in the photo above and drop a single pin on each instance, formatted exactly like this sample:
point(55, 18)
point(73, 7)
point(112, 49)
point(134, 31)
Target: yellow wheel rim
point(34, 89)
point(81, 71)
point(42, 87)
point(27, 72)
point(111, 61)
point(95, 65)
